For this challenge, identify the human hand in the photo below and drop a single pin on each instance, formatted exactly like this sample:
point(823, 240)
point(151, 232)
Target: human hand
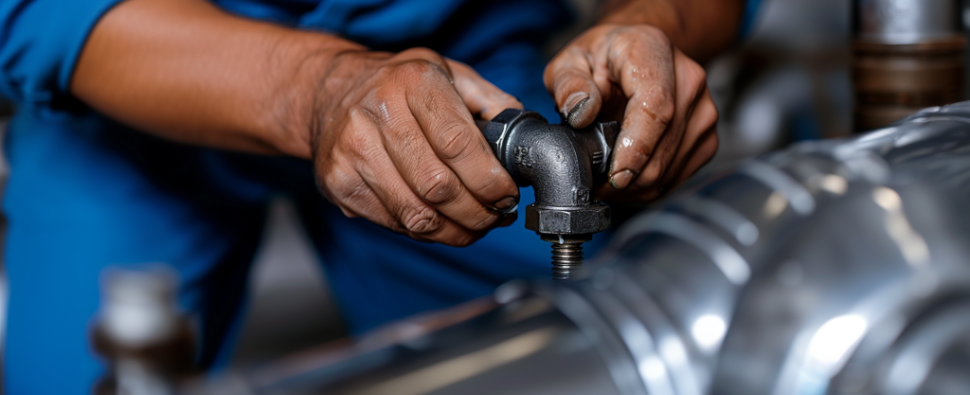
point(635, 74)
point(393, 140)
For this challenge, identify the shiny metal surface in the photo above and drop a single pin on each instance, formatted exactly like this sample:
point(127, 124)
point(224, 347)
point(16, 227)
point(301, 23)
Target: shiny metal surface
point(834, 267)
point(523, 346)
point(906, 21)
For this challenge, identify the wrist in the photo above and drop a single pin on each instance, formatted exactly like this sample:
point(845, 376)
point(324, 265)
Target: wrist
point(302, 63)
point(700, 28)
point(662, 14)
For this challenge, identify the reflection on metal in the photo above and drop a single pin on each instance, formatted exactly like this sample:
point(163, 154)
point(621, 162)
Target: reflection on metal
point(783, 185)
point(724, 216)
point(861, 287)
point(910, 243)
point(453, 370)
point(832, 341)
point(725, 257)
point(708, 331)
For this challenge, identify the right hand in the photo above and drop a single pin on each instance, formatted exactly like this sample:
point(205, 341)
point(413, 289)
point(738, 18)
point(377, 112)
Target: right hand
point(393, 140)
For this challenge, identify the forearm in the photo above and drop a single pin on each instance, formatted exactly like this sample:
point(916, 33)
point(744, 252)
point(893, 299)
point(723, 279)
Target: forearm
point(700, 28)
point(187, 71)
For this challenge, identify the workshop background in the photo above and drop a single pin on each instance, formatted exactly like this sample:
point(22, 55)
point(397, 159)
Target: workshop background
point(788, 81)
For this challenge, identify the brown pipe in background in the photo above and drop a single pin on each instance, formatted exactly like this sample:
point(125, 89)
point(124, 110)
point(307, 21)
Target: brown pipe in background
point(907, 55)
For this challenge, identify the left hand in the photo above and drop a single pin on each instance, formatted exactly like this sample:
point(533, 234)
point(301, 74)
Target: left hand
point(636, 74)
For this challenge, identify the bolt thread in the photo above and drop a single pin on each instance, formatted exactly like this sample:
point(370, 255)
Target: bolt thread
point(566, 257)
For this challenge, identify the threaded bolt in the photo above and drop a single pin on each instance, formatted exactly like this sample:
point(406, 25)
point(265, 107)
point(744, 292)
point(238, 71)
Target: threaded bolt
point(565, 258)
point(567, 253)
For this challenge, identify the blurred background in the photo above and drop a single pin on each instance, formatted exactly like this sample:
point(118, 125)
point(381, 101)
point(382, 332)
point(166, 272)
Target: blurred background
point(788, 81)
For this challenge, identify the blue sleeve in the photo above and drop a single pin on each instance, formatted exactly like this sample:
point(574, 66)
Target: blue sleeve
point(751, 8)
point(40, 41)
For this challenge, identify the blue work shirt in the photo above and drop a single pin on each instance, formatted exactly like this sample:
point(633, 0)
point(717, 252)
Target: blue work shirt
point(86, 192)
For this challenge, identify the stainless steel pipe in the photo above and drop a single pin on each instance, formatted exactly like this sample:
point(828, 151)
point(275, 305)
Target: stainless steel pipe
point(833, 267)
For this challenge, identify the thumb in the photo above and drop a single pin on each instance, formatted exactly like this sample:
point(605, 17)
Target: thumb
point(571, 83)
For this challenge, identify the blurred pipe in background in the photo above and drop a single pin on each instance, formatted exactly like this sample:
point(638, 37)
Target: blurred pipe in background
point(907, 54)
point(789, 81)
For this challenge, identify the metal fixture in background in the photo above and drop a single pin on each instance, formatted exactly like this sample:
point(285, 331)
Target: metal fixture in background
point(833, 267)
point(562, 165)
point(908, 54)
point(148, 345)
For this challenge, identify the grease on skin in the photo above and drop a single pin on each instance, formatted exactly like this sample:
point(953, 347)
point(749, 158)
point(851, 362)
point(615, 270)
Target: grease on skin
point(575, 108)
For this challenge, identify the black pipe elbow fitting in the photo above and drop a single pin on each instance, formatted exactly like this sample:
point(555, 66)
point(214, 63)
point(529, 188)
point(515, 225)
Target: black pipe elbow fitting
point(562, 165)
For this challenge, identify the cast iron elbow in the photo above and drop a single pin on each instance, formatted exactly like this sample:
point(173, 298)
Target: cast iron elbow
point(561, 164)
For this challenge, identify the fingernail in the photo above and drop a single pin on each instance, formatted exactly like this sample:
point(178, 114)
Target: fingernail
point(507, 204)
point(571, 109)
point(622, 179)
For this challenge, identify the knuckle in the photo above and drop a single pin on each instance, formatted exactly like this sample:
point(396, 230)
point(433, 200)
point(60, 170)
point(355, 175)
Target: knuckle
point(351, 191)
point(713, 116)
point(698, 76)
point(646, 32)
point(659, 105)
point(709, 149)
point(386, 71)
point(422, 53)
point(452, 141)
point(374, 102)
point(417, 70)
point(346, 192)
point(665, 100)
point(420, 220)
point(360, 147)
point(412, 70)
point(698, 71)
point(438, 187)
point(657, 34)
point(709, 121)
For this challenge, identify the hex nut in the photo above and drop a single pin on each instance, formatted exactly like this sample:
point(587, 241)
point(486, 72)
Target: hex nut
point(568, 220)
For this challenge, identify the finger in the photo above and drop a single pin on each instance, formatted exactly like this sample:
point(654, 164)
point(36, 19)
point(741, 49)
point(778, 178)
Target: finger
point(700, 128)
point(409, 214)
point(647, 77)
point(343, 187)
point(569, 77)
point(691, 89)
point(362, 202)
point(419, 166)
point(702, 154)
point(480, 96)
point(448, 127)
point(426, 55)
